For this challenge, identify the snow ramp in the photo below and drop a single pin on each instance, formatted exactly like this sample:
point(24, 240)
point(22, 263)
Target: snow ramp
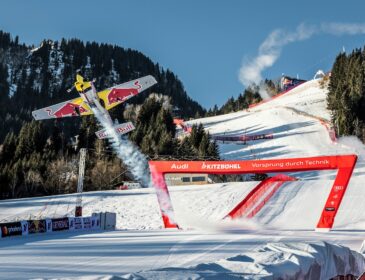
point(258, 197)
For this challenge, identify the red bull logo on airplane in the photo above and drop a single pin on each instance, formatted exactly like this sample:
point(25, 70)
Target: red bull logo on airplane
point(69, 109)
point(122, 94)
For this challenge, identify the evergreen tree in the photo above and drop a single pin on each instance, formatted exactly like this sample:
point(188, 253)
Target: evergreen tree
point(346, 96)
point(244, 100)
point(31, 139)
point(185, 150)
point(87, 137)
point(204, 145)
point(8, 148)
point(196, 136)
point(213, 150)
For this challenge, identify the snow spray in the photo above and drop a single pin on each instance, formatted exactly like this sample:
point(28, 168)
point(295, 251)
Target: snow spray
point(191, 220)
point(352, 144)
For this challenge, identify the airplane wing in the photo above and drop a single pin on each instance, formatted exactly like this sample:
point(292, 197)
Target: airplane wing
point(70, 108)
point(115, 95)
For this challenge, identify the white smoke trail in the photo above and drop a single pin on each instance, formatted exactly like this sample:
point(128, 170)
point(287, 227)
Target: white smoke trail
point(135, 161)
point(270, 50)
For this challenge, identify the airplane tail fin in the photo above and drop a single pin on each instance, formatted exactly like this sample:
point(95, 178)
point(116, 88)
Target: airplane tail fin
point(120, 129)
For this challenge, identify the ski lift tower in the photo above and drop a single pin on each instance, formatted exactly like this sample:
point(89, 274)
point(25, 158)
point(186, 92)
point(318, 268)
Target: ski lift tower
point(80, 183)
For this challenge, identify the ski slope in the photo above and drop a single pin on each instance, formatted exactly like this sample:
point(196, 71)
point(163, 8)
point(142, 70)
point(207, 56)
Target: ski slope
point(280, 238)
point(293, 119)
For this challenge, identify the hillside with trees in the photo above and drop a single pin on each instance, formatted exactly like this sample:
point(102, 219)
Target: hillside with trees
point(34, 78)
point(249, 96)
point(41, 158)
point(346, 96)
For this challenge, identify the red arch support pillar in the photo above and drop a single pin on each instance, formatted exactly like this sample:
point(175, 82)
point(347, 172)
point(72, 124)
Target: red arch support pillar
point(336, 195)
point(163, 197)
point(344, 163)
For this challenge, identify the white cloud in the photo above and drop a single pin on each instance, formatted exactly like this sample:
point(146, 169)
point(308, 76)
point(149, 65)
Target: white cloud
point(270, 49)
point(343, 28)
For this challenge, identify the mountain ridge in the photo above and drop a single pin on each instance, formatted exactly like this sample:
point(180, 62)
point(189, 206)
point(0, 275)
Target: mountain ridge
point(32, 78)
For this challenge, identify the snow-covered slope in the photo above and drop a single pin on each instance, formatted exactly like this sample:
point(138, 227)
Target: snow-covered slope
point(294, 119)
point(136, 209)
point(175, 254)
point(318, 260)
point(220, 249)
point(295, 206)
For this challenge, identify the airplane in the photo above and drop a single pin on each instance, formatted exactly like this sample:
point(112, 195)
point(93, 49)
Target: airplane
point(98, 103)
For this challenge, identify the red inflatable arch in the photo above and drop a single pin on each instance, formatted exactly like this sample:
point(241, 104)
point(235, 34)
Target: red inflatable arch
point(344, 163)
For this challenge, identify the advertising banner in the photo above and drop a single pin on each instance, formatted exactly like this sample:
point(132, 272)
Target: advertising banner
point(78, 223)
point(11, 229)
point(60, 224)
point(255, 166)
point(37, 226)
point(95, 222)
point(87, 224)
point(71, 222)
point(48, 225)
point(24, 227)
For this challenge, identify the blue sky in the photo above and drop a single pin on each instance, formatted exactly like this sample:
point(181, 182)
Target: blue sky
point(203, 42)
